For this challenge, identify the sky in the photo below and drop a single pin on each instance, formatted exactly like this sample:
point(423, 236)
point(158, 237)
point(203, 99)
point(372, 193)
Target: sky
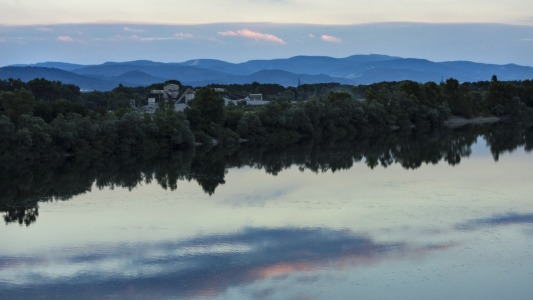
point(23, 12)
point(96, 31)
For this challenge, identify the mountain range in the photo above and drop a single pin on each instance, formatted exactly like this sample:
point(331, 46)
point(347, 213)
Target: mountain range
point(354, 70)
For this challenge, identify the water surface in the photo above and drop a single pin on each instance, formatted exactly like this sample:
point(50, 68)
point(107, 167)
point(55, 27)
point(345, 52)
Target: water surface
point(439, 231)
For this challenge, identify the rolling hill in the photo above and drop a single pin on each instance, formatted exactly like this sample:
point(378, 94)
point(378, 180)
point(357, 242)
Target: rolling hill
point(356, 69)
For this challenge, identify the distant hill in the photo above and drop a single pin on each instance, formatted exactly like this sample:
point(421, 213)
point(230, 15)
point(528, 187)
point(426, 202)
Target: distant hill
point(356, 69)
point(290, 79)
point(135, 78)
point(29, 73)
point(57, 65)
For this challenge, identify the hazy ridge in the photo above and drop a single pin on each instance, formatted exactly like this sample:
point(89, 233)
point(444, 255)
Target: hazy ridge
point(356, 69)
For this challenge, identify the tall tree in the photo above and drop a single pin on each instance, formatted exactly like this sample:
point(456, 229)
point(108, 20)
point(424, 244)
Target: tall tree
point(205, 110)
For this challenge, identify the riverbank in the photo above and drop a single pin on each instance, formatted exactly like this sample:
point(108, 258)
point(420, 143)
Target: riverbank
point(455, 121)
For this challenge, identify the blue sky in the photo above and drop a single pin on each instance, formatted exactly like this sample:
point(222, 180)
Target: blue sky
point(97, 31)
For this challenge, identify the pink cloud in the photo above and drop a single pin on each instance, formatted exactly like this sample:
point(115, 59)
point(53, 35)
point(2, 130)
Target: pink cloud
point(66, 39)
point(253, 35)
point(228, 33)
point(331, 39)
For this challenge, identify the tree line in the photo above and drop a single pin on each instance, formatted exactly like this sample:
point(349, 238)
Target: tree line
point(43, 119)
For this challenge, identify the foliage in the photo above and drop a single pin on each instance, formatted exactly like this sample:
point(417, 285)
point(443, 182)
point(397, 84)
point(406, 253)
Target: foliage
point(49, 127)
point(43, 119)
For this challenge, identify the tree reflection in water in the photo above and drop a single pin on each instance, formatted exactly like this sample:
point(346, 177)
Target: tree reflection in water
point(24, 187)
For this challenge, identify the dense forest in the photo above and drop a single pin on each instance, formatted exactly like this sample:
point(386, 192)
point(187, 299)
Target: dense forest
point(43, 120)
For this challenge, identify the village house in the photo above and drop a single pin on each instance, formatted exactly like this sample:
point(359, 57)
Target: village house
point(251, 99)
point(172, 92)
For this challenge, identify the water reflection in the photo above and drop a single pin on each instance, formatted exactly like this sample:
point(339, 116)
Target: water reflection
point(368, 232)
point(25, 186)
point(499, 220)
point(203, 266)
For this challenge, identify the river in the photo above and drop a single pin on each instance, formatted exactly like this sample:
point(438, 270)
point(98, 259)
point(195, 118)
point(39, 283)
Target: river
point(458, 227)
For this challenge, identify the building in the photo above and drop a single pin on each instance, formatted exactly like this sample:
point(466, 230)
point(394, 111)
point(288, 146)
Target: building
point(254, 97)
point(251, 99)
point(171, 91)
point(184, 100)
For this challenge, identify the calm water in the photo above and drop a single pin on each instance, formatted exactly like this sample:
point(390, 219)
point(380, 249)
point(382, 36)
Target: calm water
point(435, 232)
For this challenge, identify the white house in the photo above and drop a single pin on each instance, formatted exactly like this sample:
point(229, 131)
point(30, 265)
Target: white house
point(254, 97)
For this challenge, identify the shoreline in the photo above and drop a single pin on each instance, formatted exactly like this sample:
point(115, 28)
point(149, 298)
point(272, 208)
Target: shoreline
point(455, 122)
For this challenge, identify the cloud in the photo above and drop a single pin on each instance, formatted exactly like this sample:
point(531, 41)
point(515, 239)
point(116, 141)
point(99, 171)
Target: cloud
point(44, 29)
point(66, 39)
point(137, 38)
point(331, 39)
point(311, 36)
point(184, 36)
point(228, 33)
point(140, 38)
point(526, 40)
point(253, 35)
point(129, 29)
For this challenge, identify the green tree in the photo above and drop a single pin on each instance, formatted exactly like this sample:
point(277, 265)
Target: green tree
point(44, 89)
point(249, 126)
point(39, 132)
point(205, 110)
point(19, 102)
point(173, 131)
point(7, 144)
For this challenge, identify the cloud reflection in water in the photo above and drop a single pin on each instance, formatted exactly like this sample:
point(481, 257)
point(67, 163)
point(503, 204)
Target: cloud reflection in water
point(497, 220)
point(203, 266)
